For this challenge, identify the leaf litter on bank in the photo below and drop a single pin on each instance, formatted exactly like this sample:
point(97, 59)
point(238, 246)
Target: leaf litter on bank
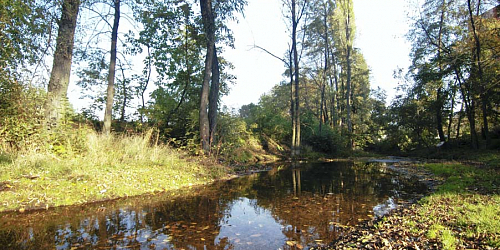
point(436, 222)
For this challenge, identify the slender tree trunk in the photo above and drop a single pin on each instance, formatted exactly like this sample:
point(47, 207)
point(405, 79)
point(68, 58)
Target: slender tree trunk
point(108, 112)
point(325, 72)
point(292, 102)
point(348, 94)
point(469, 108)
point(450, 119)
point(125, 97)
point(296, 150)
point(335, 102)
point(61, 69)
point(209, 27)
point(144, 86)
point(322, 111)
point(214, 96)
point(477, 60)
point(439, 115)
point(439, 97)
point(459, 123)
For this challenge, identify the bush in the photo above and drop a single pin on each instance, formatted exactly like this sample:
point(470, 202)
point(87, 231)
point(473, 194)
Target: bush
point(235, 143)
point(21, 117)
point(328, 141)
point(22, 127)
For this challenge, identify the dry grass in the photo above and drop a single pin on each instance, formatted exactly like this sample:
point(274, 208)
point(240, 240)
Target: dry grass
point(107, 167)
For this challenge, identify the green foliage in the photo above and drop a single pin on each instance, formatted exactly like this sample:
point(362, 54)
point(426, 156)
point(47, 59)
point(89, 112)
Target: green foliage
point(21, 117)
point(328, 141)
point(235, 143)
point(444, 235)
point(271, 116)
point(23, 24)
point(22, 128)
point(447, 93)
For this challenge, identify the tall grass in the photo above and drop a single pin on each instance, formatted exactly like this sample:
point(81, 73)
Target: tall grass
point(97, 167)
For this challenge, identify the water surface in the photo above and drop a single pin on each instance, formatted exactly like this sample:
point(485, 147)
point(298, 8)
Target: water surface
point(290, 206)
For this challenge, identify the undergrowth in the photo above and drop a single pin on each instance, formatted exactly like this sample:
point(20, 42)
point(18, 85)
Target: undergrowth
point(98, 167)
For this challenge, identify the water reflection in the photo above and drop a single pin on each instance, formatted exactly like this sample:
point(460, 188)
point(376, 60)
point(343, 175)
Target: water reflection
point(282, 208)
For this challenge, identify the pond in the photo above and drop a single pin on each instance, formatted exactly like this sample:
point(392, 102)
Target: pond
point(287, 207)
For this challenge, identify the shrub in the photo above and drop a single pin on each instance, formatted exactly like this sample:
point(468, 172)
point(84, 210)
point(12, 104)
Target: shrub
point(328, 141)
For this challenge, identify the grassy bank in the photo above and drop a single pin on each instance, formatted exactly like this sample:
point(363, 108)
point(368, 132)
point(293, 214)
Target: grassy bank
point(99, 168)
point(463, 213)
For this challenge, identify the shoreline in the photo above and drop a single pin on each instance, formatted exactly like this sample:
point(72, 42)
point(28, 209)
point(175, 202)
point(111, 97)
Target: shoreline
point(430, 222)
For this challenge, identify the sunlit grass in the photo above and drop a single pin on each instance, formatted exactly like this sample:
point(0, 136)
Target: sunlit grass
point(443, 234)
point(467, 205)
point(109, 167)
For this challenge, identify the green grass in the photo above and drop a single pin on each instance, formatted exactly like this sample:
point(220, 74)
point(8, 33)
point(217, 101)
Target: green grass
point(107, 167)
point(466, 206)
point(440, 232)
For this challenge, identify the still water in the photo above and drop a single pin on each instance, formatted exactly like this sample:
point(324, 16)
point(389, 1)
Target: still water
point(288, 207)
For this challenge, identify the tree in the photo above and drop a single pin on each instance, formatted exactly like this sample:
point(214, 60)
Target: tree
point(112, 68)
point(25, 35)
point(173, 42)
point(213, 15)
point(344, 19)
point(61, 69)
point(446, 67)
point(297, 11)
point(209, 28)
point(477, 70)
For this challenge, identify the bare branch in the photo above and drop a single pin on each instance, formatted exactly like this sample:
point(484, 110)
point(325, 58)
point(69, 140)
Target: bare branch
point(271, 54)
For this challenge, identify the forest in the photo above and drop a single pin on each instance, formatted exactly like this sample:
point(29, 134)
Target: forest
point(448, 97)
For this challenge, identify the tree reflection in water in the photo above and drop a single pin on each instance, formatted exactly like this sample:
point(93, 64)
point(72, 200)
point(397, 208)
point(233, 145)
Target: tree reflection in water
point(302, 205)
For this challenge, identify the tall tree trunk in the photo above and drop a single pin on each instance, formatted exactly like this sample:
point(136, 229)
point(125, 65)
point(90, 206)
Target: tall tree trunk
point(439, 115)
point(61, 69)
point(214, 96)
point(439, 97)
point(459, 122)
point(335, 88)
point(348, 93)
point(322, 111)
point(292, 101)
point(108, 112)
point(479, 71)
point(296, 144)
point(209, 27)
point(450, 118)
point(469, 108)
point(325, 72)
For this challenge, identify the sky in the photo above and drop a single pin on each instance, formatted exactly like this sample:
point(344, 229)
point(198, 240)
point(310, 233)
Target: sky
point(381, 26)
